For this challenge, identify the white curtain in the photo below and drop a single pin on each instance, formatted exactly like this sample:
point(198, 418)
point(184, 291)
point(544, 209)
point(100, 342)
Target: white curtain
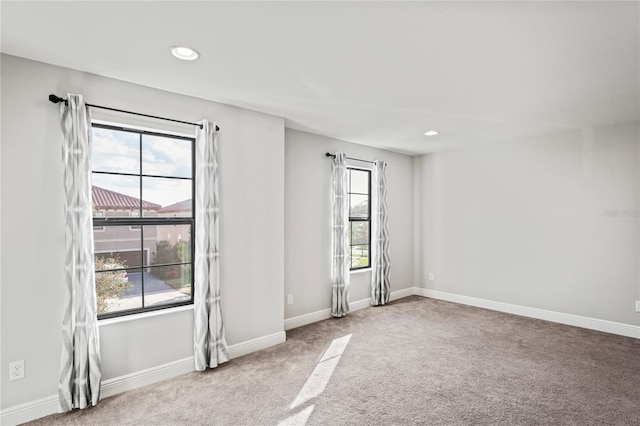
point(210, 345)
point(79, 385)
point(340, 241)
point(380, 287)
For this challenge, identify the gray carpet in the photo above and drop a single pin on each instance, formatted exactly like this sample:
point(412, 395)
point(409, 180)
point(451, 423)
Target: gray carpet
point(415, 361)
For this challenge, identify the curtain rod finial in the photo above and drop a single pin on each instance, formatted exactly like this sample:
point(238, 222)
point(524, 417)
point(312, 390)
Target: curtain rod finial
point(55, 99)
point(328, 154)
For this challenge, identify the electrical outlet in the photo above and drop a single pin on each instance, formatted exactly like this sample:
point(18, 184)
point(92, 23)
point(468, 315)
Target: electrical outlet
point(290, 299)
point(16, 370)
point(637, 305)
point(431, 276)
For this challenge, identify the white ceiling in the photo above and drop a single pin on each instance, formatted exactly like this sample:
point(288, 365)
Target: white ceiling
point(375, 73)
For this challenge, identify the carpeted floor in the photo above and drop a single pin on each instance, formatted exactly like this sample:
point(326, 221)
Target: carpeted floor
point(415, 361)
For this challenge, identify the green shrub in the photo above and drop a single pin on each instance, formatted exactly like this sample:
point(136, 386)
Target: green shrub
point(171, 253)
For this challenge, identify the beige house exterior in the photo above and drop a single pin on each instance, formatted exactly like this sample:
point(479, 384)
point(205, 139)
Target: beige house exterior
point(175, 233)
point(124, 241)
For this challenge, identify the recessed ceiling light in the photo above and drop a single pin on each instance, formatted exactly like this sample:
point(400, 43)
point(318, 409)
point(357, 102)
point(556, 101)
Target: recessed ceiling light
point(184, 53)
point(431, 133)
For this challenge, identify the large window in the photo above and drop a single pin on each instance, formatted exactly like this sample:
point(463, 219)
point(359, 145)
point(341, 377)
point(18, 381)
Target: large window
point(142, 197)
point(359, 217)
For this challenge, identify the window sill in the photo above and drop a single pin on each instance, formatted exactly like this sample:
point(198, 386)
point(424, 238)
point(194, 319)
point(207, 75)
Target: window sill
point(360, 271)
point(144, 315)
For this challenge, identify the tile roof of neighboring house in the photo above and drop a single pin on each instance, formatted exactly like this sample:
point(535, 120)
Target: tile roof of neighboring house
point(105, 199)
point(182, 206)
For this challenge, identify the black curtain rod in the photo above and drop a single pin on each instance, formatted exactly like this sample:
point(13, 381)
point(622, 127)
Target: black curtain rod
point(328, 154)
point(57, 99)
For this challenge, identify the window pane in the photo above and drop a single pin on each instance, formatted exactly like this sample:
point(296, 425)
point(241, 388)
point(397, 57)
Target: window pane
point(115, 151)
point(118, 245)
point(360, 181)
point(174, 195)
point(359, 233)
point(359, 256)
point(173, 288)
point(116, 195)
point(116, 290)
point(359, 206)
point(165, 156)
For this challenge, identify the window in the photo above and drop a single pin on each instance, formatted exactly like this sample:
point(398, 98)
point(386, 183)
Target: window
point(359, 217)
point(98, 213)
point(143, 182)
point(134, 213)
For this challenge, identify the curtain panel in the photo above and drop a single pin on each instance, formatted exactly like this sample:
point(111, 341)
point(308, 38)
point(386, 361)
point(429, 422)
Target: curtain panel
point(210, 345)
point(340, 237)
point(80, 376)
point(380, 286)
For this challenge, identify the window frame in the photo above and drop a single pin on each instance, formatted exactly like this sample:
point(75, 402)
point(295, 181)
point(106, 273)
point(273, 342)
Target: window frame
point(137, 223)
point(359, 219)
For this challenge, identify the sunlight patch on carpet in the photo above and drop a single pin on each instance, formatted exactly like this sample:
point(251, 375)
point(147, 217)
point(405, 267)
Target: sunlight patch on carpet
point(320, 376)
point(299, 419)
point(317, 381)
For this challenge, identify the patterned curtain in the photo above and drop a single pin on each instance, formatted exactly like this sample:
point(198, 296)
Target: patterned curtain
point(380, 287)
point(79, 385)
point(210, 345)
point(340, 241)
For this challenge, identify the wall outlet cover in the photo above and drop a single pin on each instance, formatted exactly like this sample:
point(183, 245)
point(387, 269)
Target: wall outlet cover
point(16, 370)
point(637, 305)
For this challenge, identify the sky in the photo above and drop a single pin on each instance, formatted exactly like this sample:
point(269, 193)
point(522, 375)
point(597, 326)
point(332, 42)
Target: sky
point(119, 151)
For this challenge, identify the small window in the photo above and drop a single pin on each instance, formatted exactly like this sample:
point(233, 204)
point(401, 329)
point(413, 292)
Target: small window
point(98, 214)
point(137, 177)
point(134, 213)
point(359, 217)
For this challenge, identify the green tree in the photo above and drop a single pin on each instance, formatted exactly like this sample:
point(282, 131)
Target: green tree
point(183, 252)
point(167, 253)
point(109, 285)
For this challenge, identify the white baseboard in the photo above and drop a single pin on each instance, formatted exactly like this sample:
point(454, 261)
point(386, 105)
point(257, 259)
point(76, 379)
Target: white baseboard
point(29, 411)
point(399, 294)
point(559, 317)
point(254, 345)
point(300, 320)
point(49, 405)
point(145, 377)
point(359, 304)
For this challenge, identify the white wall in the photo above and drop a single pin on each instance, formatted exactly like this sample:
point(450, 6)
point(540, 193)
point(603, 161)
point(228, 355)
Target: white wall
point(526, 222)
point(252, 226)
point(308, 220)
